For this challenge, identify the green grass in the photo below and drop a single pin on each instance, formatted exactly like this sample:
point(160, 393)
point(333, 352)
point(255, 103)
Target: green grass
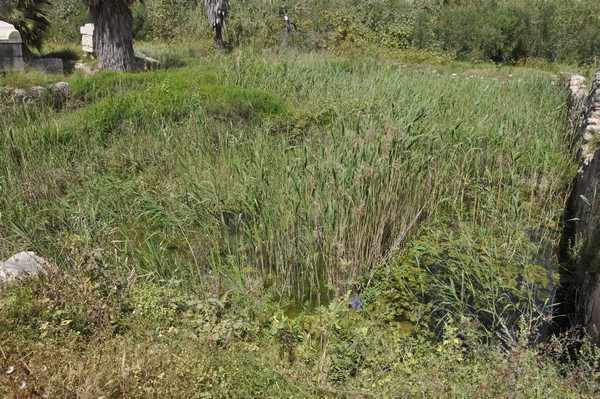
point(222, 193)
point(26, 79)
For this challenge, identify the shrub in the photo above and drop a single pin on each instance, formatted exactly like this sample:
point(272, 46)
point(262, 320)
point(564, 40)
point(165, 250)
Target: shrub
point(502, 31)
point(66, 17)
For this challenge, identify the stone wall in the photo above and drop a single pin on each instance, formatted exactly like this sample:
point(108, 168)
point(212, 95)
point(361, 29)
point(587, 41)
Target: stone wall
point(581, 238)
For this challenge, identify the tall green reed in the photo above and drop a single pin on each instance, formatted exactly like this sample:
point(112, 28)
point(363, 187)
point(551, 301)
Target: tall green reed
point(169, 174)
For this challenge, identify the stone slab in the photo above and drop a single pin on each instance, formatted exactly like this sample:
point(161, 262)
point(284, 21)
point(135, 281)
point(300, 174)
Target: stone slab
point(52, 66)
point(87, 38)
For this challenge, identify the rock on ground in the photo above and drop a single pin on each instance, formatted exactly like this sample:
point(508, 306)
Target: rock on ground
point(25, 263)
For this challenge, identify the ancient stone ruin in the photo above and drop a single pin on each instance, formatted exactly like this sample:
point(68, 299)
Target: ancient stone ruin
point(11, 48)
point(12, 57)
point(87, 38)
point(582, 215)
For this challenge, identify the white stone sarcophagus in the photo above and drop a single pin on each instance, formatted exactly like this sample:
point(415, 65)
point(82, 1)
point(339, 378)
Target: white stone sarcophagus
point(87, 38)
point(11, 48)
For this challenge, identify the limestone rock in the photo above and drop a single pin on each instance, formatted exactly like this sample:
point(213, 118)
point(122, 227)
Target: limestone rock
point(61, 92)
point(591, 122)
point(147, 63)
point(18, 95)
point(577, 93)
point(25, 263)
point(55, 94)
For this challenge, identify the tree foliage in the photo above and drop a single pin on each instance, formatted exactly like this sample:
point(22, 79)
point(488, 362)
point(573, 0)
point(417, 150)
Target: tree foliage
point(505, 31)
point(509, 30)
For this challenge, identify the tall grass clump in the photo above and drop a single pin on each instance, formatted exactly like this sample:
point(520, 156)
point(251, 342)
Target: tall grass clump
point(423, 147)
point(313, 215)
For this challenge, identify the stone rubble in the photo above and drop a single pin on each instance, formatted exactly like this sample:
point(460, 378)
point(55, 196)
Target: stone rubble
point(592, 123)
point(57, 93)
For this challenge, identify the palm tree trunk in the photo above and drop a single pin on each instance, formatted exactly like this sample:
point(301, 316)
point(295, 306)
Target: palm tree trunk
point(219, 38)
point(218, 10)
point(113, 35)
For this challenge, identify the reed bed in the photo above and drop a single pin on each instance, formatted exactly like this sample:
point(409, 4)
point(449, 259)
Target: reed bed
point(305, 173)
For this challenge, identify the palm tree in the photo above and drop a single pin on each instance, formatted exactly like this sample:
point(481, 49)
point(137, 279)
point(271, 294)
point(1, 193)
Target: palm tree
point(113, 33)
point(218, 10)
point(30, 18)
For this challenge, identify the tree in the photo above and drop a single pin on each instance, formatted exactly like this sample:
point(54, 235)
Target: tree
point(30, 18)
point(113, 33)
point(217, 10)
